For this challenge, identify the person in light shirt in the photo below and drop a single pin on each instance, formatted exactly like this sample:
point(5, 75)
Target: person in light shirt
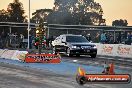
point(106, 68)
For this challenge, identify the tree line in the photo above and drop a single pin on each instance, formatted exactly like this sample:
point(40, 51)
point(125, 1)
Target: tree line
point(14, 13)
point(71, 12)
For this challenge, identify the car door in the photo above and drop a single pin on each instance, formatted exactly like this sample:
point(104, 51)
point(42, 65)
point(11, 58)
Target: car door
point(56, 41)
point(60, 43)
point(63, 44)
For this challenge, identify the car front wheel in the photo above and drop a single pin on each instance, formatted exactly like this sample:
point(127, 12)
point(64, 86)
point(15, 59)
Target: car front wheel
point(68, 52)
point(93, 55)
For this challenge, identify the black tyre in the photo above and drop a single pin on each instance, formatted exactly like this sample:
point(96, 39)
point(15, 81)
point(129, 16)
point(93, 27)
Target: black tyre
point(81, 80)
point(93, 55)
point(68, 52)
point(78, 55)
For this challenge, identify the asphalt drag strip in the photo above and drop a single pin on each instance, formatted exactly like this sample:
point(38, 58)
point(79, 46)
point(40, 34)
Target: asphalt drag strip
point(15, 74)
point(120, 63)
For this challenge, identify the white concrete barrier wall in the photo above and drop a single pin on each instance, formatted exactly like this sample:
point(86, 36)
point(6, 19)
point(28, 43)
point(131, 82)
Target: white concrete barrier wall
point(119, 50)
point(8, 54)
point(1, 52)
point(13, 54)
point(19, 55)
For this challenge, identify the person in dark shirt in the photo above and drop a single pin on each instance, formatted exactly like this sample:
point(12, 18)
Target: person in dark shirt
point(88, 37)
point(3, 39)
point(128, 39)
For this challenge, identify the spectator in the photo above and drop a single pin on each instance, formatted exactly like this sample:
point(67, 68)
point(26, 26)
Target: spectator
point(97, 38)
point(119, 38)
point(107, 37)
point(103, 38)
point(7, 40)
point(88, 37)
point(21, 45)
point(3, 39)
point(111, 39)
point(131, 38)
point(106, 68)
point(128, 41)
point(21, 37)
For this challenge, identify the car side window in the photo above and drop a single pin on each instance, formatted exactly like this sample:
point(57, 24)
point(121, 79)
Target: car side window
point(63, 39)
point(57, 38)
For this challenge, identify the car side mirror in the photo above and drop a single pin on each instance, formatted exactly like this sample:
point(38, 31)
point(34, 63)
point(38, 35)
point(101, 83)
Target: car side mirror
point(63, 41)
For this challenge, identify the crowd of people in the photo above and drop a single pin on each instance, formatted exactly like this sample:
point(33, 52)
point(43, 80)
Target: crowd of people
point(7, 39)
point(15, 40)
point(109, 38)
point(10, 39)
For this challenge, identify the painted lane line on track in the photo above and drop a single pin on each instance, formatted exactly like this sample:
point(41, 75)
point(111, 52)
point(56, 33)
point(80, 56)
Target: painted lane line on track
point(110, 58)
point(101, 57)
point(75, 60)
point(129, 60)
point(120, 59)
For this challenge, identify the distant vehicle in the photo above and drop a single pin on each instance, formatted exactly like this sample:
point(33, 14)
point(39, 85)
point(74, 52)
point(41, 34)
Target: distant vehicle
point(74, 45)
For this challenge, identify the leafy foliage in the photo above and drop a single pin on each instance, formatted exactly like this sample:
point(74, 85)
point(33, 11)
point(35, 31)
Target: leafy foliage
point(40, 14)
point(119, 23)
point(83, 12)
point(4, 15)
point(14, 13)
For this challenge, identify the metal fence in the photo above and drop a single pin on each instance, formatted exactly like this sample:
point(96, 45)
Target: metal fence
point(117, 34)
point(54, 30)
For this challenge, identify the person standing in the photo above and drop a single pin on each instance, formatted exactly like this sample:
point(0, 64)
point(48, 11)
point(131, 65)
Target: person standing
point(106, 68)
point(3, 39)
point(103, 38)
point(128, 38)
point(97, 38)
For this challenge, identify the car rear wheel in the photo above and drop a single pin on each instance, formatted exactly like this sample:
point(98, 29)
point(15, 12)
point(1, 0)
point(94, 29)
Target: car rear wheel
point(93, 55)
point(78, 55)
point(69, 52)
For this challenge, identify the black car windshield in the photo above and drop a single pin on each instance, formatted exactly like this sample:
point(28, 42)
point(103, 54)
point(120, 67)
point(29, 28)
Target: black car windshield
point(76, 39)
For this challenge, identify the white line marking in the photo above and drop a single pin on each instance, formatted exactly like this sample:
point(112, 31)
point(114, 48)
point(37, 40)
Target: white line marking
point(75, 60)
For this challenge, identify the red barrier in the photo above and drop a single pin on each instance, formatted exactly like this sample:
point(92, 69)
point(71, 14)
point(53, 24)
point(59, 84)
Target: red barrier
point(83, 78)
point(42, 58)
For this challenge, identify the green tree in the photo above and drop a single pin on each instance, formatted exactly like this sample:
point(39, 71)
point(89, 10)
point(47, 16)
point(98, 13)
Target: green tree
point(40, 14)
point(4, 15)
point(119, 23)
point(16, 12)
point(77, 12)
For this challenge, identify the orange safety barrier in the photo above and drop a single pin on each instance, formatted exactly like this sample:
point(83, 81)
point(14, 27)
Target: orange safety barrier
point(111, 77)
point(42, 58)
point(111, 69)
point(116, 78)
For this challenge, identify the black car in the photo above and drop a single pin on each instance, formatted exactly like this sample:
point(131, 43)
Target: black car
point(74, 45)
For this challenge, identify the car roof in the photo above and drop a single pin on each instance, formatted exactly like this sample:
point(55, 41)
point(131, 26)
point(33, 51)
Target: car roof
point(70, 35)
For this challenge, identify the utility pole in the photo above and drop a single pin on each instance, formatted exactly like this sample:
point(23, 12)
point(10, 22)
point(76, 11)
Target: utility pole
point(28, 25)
